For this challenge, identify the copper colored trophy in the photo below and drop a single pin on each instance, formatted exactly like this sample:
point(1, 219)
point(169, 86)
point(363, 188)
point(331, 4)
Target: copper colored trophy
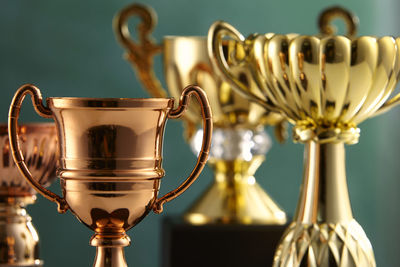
point(239, 140)
point(325, 85)
point(110, 160)
point(19, 241)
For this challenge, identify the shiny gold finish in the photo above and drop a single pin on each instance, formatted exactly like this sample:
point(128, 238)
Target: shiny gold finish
point(19, 241)
point(110, 160)
point(325, 85)
point(235, 197)
point(324, 232)
point(186, 61)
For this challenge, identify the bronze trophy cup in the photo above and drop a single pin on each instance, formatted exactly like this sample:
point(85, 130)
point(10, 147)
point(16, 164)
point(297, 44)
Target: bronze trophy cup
point(239, 141)
point(110, 160)
point(325, 85)
point(19, 241)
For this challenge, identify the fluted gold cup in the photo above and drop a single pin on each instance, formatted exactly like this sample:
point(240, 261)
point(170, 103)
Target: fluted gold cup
point(239, 141)
point(110, 160)
point(325, 85)
point(19, 240)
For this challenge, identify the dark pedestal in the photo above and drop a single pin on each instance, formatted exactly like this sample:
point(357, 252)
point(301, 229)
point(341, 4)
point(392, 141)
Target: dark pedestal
point(186, 245)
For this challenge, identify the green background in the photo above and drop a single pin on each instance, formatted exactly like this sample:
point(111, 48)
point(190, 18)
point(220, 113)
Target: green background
point(67, 48)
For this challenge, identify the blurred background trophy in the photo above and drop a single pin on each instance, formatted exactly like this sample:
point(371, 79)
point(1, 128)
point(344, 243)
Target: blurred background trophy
point(325, 85)
point(239, 141)
point(19, 241)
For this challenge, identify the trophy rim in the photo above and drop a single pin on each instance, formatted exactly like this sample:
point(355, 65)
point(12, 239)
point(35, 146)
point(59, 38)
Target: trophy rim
point(321, 37)
point(89, 102)
point(191, 37)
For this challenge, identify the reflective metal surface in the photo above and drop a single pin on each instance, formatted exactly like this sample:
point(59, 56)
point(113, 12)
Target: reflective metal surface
point(186, 61)
point(235, 196)
point(19, 241)
point(324, 232)
point(325, 85)
point(110, 160)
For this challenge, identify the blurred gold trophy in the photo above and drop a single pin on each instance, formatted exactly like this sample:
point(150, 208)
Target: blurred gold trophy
point(19, 241)
point(325, 85)
point(239, 141)
point(110, 160)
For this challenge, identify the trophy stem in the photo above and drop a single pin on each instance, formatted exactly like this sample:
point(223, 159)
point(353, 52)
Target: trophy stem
point(110, 249)
point(19, 241)
point(324, 232)
point(324, 196)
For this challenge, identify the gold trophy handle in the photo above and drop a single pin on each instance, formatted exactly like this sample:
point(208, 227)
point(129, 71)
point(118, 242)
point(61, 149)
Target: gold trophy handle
point(205, 147)
point(216, 34)
point(140, 54)
point(332, 13)
point(13, 136)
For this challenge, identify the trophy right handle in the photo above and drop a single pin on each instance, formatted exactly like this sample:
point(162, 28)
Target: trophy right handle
point(140, 54)
point(216, 34)
point(18, 157)
point(205, 147)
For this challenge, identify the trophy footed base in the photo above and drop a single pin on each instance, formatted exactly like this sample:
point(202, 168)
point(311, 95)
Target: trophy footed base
point(324, 244)
point(110, 249)
point(235, 197)
point(235, 202)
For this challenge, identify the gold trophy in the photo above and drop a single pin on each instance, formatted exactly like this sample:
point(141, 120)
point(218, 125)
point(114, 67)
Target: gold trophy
point(110, 160)
point(19, 241)
point(325, 85)
point(239, 141)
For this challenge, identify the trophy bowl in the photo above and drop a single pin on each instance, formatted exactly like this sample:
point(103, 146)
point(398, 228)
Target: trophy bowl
point(110, 160)
point(234, 195)
point(325, 85)
point(19, 241)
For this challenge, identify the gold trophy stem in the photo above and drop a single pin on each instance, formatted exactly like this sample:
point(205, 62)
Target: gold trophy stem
point(110, 250)
point(324, 196)
point(324, 232)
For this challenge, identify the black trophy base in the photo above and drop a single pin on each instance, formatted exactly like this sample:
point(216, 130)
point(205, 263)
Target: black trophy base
point(213, 245)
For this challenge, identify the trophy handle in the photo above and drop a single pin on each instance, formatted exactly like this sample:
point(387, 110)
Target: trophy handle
point(216, 34)
point(332, 13)
point(140, 54)
point(13, 136)
point(205, 147)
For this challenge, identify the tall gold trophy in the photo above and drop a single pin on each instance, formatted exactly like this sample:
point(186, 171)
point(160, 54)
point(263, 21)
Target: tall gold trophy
point(19, 241)
point(110, 160)
point(325, 85)
point(239, 141)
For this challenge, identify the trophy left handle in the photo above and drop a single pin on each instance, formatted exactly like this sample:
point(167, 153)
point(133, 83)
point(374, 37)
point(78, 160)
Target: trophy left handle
point(205, 147)
point(140, 54)
point(18, 157)
point(216, 34)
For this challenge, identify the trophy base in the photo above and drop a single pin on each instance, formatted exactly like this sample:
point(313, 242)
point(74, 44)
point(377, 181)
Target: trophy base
point(213, 245)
